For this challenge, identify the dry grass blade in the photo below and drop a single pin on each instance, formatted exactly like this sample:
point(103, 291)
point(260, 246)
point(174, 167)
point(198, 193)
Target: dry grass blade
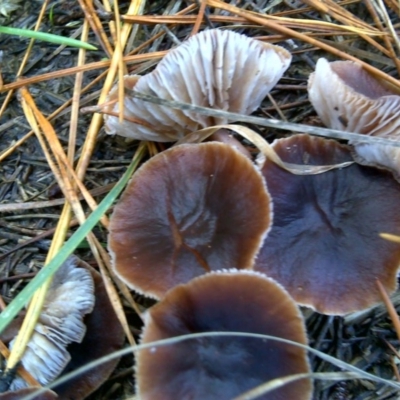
point(394, 5)
point(270, 123)
point(97, 119)
point(374, 14)
point(274, 384)
point(26, 57)
point(87, 67)
point(67, 178)
point(63, 176)
point(381, 9)
point(178, 19)
point(95, 24)
point(297, 35)
point(336, 11)
point(116, 64)
point(63, 179)
point(199, 17)
point(264, 147)
point(320, 26)
point(76, 98)
point(36, 305)
point(323, 25)
point(302, 10)
point(388, 236)
point(366, 55)
point(391, 310)
point(66, 250)
point(51, 117)
point(120, 62)
point(21, 370)
point(166, 342)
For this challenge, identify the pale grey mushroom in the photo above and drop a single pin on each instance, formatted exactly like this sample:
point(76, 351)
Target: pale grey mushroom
point(346, 97)
point(215, 68)
point(70, 298)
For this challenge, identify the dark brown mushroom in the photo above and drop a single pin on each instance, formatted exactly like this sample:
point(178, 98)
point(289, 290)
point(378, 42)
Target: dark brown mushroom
point(222, 367)
point(22, 393)
point(324, 245)
point(215, 68)
point(189, 210)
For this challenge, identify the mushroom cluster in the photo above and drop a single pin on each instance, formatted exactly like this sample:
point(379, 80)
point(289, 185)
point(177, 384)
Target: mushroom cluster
point(195, 211)
point(189, 213)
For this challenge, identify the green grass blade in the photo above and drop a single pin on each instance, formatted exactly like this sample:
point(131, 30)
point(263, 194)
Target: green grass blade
point(46, 37)
point(26, 294)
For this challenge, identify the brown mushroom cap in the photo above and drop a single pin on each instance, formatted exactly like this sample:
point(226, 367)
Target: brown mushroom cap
point(324, 245)
point(222, 367)
point(215, 68)
point(346, 97)
point(23, 393)
point(191, 209)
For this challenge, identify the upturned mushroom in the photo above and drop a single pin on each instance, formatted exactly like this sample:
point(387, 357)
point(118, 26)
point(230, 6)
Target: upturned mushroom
point(215, 68)
point(60, 323)
point(187, 211)
point(346, 97)
point(223, 367)
point(98, 342)
point(324, 245)
point(69, 298)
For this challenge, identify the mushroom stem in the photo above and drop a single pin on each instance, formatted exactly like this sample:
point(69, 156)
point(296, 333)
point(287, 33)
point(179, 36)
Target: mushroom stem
point(225, 136)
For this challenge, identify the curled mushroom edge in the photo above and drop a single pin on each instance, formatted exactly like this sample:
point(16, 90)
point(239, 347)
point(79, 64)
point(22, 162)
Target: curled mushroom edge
point(216, 68)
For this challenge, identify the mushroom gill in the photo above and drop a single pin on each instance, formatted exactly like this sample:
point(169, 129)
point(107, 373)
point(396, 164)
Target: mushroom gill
point(74, 287)
point(215, 68)
point(346, 97)
point(69, 299)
